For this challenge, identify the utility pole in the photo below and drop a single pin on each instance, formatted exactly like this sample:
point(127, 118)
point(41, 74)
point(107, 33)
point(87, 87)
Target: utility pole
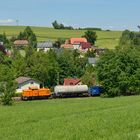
point(17, 21)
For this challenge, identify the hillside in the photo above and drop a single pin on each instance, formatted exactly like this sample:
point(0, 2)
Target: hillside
point(106, 39)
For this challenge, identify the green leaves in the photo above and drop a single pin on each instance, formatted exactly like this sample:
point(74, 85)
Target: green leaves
point(90, 36)
point(118, 71)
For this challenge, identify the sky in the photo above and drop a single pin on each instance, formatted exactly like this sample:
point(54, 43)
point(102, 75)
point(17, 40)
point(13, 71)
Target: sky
point(105, 14)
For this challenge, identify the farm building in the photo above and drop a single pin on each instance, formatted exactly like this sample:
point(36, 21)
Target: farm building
point(77, 43)
point(26, 83)
point(21, 43)
point(44, 46)
point(72, 81)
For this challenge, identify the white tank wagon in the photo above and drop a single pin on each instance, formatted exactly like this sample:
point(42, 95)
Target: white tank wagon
point(72, 90)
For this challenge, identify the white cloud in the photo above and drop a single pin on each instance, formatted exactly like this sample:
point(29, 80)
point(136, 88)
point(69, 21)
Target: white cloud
point(7, 22)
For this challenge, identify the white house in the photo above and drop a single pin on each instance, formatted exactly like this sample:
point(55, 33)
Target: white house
point(26, 83)
point(45, 46)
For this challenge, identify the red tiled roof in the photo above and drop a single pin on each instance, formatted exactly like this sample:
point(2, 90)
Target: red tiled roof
point(72, 40)
point(21, 42)
point(71, 81)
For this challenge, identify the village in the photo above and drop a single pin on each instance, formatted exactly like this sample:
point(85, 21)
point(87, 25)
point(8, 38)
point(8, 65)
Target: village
point(80, 45)
point(69, 70)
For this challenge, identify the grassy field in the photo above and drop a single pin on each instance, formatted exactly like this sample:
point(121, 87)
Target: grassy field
point(106, 39)
point(72, 119)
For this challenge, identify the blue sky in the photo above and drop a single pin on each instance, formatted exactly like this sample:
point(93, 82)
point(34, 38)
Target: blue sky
point(107, 14)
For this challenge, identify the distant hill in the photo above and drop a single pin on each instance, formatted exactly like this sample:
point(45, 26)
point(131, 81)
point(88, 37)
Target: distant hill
point(106, 39)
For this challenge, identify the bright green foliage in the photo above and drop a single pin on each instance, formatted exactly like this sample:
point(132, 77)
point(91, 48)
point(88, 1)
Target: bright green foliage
point(7, 91)
point(70, 64)
point(90, 36)
point(89, 78)
point(7, 85)
point(118, 72)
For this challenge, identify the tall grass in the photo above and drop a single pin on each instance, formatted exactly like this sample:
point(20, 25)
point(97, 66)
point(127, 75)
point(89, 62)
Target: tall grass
point(72, 119)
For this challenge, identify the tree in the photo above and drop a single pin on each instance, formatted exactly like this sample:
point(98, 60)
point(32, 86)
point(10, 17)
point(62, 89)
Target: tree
point(129, 39)
point(90, 36)
point(7, 84)
point(58, 43)
point(29, 35)
point(56, 25)
point(89, 77)
point(118, 71)
point(90, 53)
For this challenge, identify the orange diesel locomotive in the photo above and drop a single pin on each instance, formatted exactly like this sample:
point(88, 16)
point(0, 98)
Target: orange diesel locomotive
point(35, 93)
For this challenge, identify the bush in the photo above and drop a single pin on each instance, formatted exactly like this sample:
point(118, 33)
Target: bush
point(7, 90)
point(6, 99)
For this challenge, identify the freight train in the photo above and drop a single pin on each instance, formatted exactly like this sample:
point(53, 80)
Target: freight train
point(61, 92)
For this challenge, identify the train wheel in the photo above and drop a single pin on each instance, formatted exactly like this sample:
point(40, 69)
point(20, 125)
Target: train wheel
point(25, 98)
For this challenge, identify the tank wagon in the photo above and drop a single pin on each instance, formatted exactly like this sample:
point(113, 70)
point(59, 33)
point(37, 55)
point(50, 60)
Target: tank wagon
point(70, 91)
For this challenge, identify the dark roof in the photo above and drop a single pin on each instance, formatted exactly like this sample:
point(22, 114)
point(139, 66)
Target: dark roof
point(71, 81)
point(47, 44)
point(21, 80)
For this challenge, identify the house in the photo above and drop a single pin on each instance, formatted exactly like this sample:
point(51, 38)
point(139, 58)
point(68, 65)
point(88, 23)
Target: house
point(72, 81)
point(45, 46)
point(77, 43)
point(21, 43)
point(26, 83)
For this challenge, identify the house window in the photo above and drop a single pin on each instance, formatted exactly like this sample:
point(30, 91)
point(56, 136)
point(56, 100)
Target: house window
point(71, 83)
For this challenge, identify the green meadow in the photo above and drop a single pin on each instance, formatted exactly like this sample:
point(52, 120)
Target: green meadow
point(106, 39)
point(72, 119)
